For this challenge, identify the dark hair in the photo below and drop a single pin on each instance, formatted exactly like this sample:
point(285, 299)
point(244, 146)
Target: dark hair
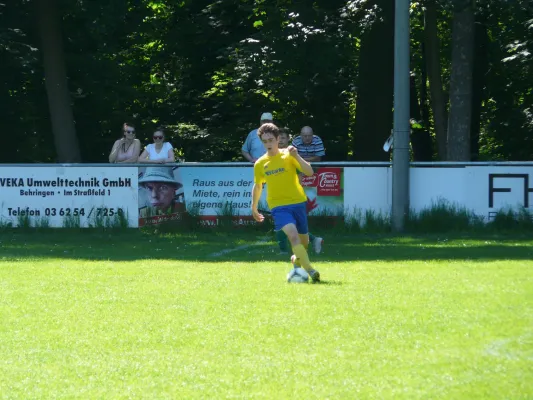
point(268, 128)
point(284, 131)
point(128, 124)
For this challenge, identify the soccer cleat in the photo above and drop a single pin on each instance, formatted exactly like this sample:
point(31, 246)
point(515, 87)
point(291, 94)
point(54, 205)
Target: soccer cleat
point(317, 244)
point(315, 276)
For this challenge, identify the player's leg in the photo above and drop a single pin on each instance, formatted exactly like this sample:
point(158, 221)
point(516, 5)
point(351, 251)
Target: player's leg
point(299, 250)
point(316, 243)
point(283, 242)
point(284, 221)
point(302, 256)
point(305, 238)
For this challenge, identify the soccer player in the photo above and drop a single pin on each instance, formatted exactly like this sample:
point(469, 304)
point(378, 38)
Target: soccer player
point(286, 197)
point(316, 242)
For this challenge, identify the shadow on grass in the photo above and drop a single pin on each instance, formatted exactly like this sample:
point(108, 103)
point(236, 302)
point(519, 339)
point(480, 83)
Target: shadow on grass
point(331, 283)
point(132, 245)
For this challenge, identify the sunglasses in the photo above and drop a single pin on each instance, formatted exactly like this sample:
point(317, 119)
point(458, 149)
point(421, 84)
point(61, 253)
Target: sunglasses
point(129, 131)
point(158, 137)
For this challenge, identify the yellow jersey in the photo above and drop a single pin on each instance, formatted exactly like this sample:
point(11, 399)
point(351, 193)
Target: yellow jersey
point(280, 174)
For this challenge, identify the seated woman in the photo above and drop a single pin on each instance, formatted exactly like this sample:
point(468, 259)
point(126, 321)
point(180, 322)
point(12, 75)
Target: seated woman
point(159, 152)
point(127, 148)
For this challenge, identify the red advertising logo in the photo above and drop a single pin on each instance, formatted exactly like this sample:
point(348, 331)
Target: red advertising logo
point(328, 182)
point(309, 181)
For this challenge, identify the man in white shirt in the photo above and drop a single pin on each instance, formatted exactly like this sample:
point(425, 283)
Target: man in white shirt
point(253, 148)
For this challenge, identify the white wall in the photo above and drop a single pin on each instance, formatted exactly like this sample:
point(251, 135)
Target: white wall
point(368, 188)
point(430, 185)
point(469, 187)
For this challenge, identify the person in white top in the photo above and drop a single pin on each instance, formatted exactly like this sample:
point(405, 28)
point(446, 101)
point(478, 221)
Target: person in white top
point(159, 152)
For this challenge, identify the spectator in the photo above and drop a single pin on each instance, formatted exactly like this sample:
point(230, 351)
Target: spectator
point(309, 146)
point(253, 148)
point(127, 148)
point(284, 138)
point(159, 152)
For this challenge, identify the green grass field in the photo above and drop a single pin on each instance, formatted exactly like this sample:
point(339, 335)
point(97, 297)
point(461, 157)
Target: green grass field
point(129, 314)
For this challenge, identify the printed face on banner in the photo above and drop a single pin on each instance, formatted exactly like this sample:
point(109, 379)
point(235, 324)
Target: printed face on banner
point(161, 195)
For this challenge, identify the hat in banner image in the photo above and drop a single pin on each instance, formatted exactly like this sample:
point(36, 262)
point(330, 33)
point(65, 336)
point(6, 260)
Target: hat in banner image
point(266, 116)
point(159, 174)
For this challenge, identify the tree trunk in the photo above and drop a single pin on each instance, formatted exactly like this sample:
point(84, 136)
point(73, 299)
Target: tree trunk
point(460, 117)
point(59, 104)
point(420, 139)
point(438, 97)
point(373, 119)
point(424, 101)
point(479, 79)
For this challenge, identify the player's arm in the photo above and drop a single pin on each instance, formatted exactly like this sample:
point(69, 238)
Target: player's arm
point(256, 194)
point(247, 148)
point(304, 166)
point(247, 155)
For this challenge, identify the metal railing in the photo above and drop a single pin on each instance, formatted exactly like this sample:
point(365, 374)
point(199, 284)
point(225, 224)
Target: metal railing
point(428, 164)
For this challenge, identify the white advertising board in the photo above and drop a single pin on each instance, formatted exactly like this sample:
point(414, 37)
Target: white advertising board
point(56, 195)
point(428, 186)
point(208, 189)
point(61, 195)
point(483, 190)
point(495, 188)
point(367, 189)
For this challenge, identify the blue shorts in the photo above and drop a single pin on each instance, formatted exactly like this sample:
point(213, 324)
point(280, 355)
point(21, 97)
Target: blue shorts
point(292, 214)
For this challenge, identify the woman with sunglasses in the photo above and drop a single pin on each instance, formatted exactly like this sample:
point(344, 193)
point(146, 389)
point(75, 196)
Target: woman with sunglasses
point(127, 148)
point(159, 152)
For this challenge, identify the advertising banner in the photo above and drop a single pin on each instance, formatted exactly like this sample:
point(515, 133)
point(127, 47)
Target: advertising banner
point(161, 195)
point(325, 191)
point(68, 196)
point(211, 192)
point(60, 196)
point(495, 188)
point(484, 190)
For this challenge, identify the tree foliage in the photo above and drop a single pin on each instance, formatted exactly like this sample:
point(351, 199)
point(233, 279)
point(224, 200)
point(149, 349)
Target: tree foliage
point(207, 69)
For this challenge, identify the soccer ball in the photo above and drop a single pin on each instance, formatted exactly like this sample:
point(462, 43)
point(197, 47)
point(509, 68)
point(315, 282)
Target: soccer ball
point(298, 275)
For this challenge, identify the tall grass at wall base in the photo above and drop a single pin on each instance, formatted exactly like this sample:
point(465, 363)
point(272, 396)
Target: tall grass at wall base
point(376, 222)
point(225, 216)
point(443, 216)
point(349, 221)
point(520, 220)
point(24, 222)
point(227, 219)
point(71, 221)
point(42, 223)
point(119, 220)
point(5, 224)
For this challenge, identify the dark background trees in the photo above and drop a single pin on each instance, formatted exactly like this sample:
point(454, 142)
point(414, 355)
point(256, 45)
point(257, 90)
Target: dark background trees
point(207, 69)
